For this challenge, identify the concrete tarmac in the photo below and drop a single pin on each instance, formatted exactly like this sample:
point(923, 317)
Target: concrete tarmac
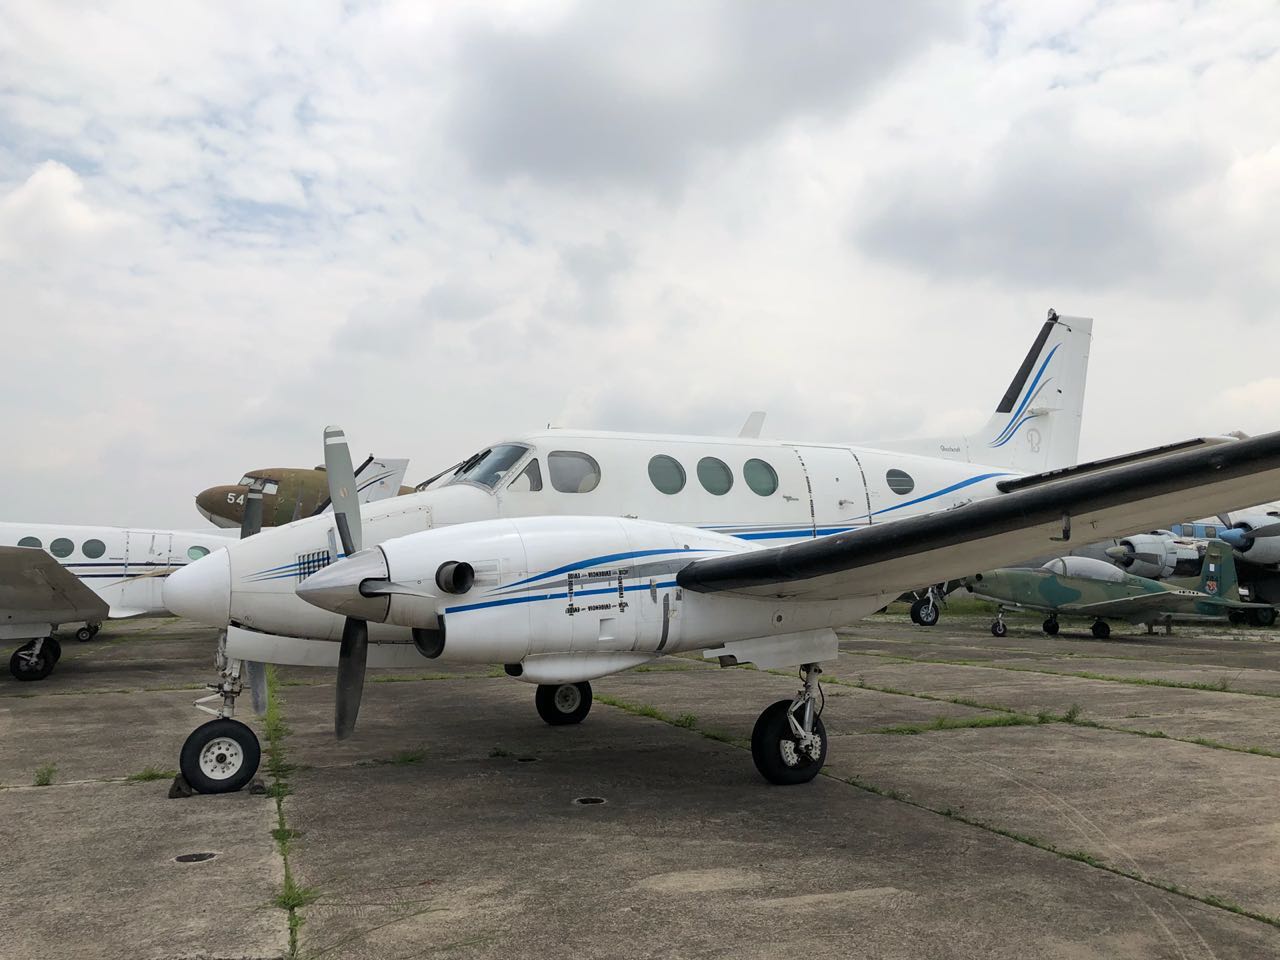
point(1019, 797)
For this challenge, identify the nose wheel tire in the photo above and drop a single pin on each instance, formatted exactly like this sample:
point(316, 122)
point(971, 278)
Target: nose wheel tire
point(26, 664)
point(998, 629)
point(220, 756)
point(562, 703)
point(925, 612)
point(1101, 629)
point(779, 755)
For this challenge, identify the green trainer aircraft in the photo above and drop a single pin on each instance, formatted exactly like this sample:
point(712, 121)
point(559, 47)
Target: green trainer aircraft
point(1094, 589)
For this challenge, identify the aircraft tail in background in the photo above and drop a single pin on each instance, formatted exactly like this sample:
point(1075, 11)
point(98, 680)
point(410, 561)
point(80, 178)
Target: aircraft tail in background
point(1036, 424)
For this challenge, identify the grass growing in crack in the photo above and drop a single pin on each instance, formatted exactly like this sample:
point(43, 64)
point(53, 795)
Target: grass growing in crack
point(497, 752)
point(403, 757)
point(294, 896)
point(686, 720)
point(1072, 714)
point(147, 774)
point(44, 775)
point(961, 723)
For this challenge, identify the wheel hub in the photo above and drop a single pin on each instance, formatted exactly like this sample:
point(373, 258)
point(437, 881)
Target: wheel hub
point(221, 758)
point(568, 698)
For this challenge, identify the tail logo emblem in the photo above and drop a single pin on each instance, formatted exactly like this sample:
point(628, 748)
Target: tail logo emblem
point(1211, 586)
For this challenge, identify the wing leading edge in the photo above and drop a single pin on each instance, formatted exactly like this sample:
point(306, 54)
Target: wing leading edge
point(1001, 530)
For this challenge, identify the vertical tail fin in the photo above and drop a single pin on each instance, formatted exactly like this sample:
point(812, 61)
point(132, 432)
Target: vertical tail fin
point(1036, 424)
point(1218, 573)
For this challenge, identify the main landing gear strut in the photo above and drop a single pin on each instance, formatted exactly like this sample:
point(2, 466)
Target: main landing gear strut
point(789, 742)
point(222, 755)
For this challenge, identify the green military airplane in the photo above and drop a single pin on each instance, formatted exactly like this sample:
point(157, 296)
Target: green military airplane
point(289, 493)
point(1084, 587)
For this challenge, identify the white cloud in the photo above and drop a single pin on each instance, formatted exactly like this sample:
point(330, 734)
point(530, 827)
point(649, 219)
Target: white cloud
point(223, 226)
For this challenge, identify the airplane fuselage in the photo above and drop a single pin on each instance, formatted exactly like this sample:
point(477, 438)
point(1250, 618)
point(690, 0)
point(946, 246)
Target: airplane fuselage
point(125, 567)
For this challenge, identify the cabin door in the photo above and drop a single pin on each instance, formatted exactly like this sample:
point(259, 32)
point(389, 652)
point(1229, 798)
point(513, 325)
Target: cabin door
point(837, 490)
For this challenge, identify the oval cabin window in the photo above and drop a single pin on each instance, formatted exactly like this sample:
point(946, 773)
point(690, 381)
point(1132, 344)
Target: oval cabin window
point(666, 474)
point(900, 482)
point(573, 472)
point(760, 477)
point(195, 553)
point(61, 547)
point(93, 549)
point(30, 542)
point(715, 476)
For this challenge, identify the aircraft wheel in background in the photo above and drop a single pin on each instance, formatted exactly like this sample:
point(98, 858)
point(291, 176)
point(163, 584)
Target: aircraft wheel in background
point(85, 633)
point(220, 756)
point(778, 755)
point(1050, 626)
point(561, 703)
point(925, 612)
point(1263, 618)
point(25, 664)
point(1101, 629)
point(998, 629)
point(1238, 617)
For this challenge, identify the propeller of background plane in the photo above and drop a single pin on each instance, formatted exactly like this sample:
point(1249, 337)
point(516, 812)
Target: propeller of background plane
point(1243, 540)
point(251, 524)
point(354, 651)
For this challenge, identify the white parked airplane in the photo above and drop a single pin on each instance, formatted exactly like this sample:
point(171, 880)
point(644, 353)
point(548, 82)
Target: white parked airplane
point(534, 554)
point(54, 574)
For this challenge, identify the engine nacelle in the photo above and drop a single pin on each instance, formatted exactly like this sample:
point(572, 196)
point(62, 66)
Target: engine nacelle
point(1159, 555)
point(502, 591)
point(1263, 546)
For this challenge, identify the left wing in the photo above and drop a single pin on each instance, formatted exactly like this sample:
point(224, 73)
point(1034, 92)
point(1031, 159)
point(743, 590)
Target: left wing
point(1003, 529)
point(35, 588)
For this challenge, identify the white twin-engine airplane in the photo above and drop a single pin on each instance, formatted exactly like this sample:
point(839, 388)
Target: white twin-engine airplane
point(570, 556)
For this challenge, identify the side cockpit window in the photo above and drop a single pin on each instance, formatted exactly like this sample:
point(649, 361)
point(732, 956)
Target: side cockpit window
point(529, 480)
point(573, 472)
point(270, 487)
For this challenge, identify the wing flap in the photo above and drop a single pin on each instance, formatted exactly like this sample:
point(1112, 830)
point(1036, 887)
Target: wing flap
point(1001, 530)
point(34, 587)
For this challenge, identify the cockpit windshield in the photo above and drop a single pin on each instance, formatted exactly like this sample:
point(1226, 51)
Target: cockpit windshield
point(489, 466)
point(1085, 567)
point(246, 480)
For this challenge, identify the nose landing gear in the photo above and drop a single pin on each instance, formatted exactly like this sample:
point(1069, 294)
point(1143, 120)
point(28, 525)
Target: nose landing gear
point(789, 741)
point(998, 629)
point(221, 756)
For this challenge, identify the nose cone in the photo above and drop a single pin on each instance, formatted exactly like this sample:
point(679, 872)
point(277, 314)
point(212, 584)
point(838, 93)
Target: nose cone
point(222, 506)
point(201, 591)
point(345, 587)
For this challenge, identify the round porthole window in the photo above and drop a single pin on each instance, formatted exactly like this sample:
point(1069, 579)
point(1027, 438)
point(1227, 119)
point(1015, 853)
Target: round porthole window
point(715, 476)
point(61, 547)
point(93, 549)
point(666, 474)
point(195, 553)
point(30, 542)
point(760, 477)
point(900, 482)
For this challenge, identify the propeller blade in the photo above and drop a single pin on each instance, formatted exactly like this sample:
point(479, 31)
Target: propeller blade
point(342, 488)
point(351, 661)
point(1270, 530)
point(256, 673)
point(251, 523)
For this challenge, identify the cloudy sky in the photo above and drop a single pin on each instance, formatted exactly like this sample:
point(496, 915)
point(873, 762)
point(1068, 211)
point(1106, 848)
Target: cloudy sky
point(223, 226)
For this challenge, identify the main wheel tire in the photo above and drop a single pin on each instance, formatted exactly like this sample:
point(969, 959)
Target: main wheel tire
point(1050, 626)
point(562, 703)
point(998, 628)
point(914, 612)
point(925, 612)
point(220, 756)
point(53, 648)
point(24, 665)
point(85, 634)
point(1101, 629)
point(1238, 617)
point(1263, 618)
point(776, 751)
